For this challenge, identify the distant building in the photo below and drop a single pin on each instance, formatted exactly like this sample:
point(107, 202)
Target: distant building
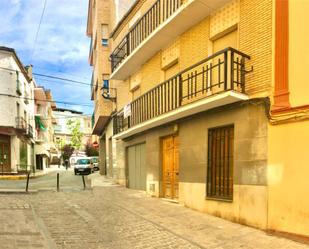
point(62, 133)
point(45, 147)
point(16, 113)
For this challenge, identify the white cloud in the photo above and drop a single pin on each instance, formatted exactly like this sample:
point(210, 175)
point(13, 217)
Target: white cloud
point(62, 46)
point(62, 33)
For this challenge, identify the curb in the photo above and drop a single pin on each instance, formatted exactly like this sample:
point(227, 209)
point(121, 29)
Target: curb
point(23, 177)
point(17, 191)
point(10, 177)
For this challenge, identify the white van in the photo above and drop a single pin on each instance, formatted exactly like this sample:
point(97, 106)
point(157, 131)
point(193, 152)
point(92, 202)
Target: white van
point(73, 160)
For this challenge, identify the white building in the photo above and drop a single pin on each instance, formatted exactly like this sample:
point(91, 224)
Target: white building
point(16, 113)
point(61, 129)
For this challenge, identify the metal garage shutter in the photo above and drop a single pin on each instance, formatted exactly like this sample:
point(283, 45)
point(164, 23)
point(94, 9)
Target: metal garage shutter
point(137, 166)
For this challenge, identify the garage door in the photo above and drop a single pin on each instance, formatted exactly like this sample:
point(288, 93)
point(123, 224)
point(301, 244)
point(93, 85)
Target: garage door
point(137, 166)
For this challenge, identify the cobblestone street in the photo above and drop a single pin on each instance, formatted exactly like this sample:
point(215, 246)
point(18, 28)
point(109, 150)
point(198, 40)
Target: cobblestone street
point(115, 217)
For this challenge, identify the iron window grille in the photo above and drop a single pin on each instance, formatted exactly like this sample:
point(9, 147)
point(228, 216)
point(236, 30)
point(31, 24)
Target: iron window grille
point(220, 163)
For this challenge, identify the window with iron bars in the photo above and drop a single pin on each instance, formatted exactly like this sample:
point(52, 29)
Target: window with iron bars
point(220, 163)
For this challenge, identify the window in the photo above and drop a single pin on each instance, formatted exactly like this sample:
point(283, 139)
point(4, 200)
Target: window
point(104, 28)
point(106, 84)
point(105, 81)
point(105, 42)
point(17, 109)
point(220, 162)
point(18, 90)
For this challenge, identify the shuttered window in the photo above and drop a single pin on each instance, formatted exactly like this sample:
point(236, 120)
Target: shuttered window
point(220, 162)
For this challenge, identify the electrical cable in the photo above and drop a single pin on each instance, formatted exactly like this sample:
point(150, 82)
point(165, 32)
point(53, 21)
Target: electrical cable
point(49, 101)
point(50, 76)
point(38, 30)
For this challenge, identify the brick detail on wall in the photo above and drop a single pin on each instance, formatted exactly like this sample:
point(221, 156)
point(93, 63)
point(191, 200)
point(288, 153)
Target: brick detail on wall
point(255, 29)
point(224, 18)
point(170, 55)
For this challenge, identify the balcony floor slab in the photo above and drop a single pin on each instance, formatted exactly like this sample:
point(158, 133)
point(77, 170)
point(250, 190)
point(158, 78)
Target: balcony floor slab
point(185, 111)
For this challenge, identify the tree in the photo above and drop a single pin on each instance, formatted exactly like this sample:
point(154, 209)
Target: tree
point(67, 151)
point(77, 135)
point(91, 150)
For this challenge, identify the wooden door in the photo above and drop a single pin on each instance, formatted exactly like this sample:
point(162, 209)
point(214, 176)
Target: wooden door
point(5, 157)
point(170, 167)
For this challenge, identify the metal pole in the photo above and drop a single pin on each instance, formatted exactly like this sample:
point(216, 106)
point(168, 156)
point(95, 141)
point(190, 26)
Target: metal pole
point(27, 185)
point(58, 182)
point(83, 177)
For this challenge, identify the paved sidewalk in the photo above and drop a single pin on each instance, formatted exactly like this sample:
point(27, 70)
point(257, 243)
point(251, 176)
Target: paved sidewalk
point(111, 216)
point(19, 228)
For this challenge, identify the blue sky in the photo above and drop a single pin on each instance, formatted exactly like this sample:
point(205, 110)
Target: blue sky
point(62, 46)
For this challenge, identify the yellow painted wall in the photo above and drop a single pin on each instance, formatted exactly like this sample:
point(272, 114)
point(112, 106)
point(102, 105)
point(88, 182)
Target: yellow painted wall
point(298, 52)
point(288, 177)
point(288, 167)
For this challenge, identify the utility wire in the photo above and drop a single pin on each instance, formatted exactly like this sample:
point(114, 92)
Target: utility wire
point(60, 78)
point(50, 101)
point(50, 76)
point(38, 30)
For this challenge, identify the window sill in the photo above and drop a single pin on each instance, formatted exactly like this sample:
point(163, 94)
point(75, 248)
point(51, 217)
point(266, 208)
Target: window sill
point(218, 199)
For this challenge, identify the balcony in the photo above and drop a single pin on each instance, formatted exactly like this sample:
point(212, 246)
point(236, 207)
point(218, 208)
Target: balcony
point(215, 81)
point(21, 124)
point(40, 137)
point(157, 28)
point(30, 131)
point(23, 127)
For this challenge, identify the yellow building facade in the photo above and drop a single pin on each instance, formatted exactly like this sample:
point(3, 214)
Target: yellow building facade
point(289, 126)
point(195, 109)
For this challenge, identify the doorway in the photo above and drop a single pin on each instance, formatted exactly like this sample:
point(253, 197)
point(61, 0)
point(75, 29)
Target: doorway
point(5, 155)
point(170, 167)
point(136, 161)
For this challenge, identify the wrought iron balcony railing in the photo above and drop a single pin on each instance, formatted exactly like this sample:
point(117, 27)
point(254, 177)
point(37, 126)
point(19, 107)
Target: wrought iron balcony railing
point(30, 131)
point(220, 72)
point(160, 11)
point(21, 123)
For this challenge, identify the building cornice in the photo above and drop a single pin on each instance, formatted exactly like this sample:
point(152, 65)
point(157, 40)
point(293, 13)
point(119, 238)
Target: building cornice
point(18, 61)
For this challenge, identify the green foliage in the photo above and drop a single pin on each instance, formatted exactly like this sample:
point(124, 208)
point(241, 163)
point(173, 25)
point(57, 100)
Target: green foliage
point(67, 151)
point(90, 150)
point(77, 135)
point(60, 143)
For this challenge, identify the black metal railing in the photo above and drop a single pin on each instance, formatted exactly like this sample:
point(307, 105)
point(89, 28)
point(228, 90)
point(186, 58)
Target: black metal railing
point(159, 12)
point(21, 123)
point(220, 72)
point(30, 131)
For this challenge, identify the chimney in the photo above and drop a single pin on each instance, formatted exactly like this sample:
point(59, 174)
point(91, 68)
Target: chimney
point(29, 70)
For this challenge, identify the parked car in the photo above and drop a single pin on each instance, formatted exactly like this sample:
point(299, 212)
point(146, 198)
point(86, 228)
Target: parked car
point(83, 166)
point(95, 161)
point(73, 160)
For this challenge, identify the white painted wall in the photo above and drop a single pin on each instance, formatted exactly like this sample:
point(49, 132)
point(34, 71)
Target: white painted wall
point(8, 105)
point(8, 83)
